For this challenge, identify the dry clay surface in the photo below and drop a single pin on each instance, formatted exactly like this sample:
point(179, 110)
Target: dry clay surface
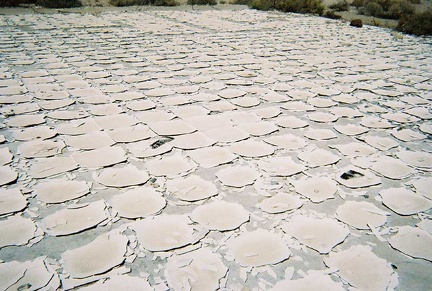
point(213, 149)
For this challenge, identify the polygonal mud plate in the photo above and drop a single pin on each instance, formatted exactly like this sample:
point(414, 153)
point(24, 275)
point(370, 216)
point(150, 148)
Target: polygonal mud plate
point(291, 122)
point(354, 266)
point(320, 234)
point(197, 270)
point(154, 116)
point(26, 120)
point(73, 220)
point(190, 111)
point(407, 135)
point(172, 127)
point(404, 202)
point(68, 114)
point(90, 141)
point(231, 93)
point(138, 202)
point(320, 134)
point(102, 157)
point(176, 165)
point(212, 156)
point(131, 134)
point(421, 160)
point(381, 143)
point(47, 167)
point(413, 242)
point(220, 215)
point(78, 127)
point(5, 156)
point(258, 248)
point(19, 231)
point(354, 149)
point(361, 215)
point(318, 158)
point(246, 102)
point(317, 189)
point(268, 112)
point(40, 148)
point(116, 121)
point(227, 134)
point(423, 186)
point(192, 141)
point(121, 177)
point(353, 177)
point(37, 273)
point(59, 190)
point(167, 232)
point(55, 104)
point(281, 202)
point(351, 129)
point(237, 176)
point(322, 117)
point(208, 122)
point(376, 122)
point(259, 128)
point(99, 256)
point(192, 188)
point(287, 141)
point(251, 149)
point(280, 166)
point(105, 109)
point(140, 105)
point(392, 168)
point(11, 201)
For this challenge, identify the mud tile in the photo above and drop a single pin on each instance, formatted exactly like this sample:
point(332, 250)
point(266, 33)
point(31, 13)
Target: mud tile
point(101, 157)
point(361, 215)
point(220, 215)
point(169, 232)
point(74, 220)
point(404, 201)
point(89, 141)
point(258, 248)
point(357, 260)
point(60, 190)
point(99, 256)
point(320, 234)
point(186, 271)
point(392, 168)
point(279, 203)
point(20, 231)
point(121, 177)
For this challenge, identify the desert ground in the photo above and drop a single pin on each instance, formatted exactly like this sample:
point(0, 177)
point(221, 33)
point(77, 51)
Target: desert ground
point(212, 149)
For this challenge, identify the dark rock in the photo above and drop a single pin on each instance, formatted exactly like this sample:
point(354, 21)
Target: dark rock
point(356, 23)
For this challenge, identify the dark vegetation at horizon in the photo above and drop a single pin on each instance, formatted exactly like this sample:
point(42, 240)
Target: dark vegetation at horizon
point(409, 19)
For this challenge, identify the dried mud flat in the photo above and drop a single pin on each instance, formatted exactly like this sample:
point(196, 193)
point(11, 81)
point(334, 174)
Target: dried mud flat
point(213, 149)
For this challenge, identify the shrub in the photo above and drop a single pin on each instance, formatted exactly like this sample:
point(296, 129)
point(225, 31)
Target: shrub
point(331, 14)
point(13, 3)
point(59, 3)
point(358, 3)
point(342, 5)
point(202, 2)
point(301, 6)
point(399, 9)
point(262, 4)
point(241, 2)
point(122, 3)
point(416, 23)
point(372, 9)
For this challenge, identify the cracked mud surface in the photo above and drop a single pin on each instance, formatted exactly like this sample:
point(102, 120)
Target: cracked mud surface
point(213, 149)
